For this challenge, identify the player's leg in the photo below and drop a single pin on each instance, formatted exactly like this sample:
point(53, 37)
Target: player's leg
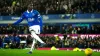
point(36, 30)
point(32, 47)
point(33, 43)
point(36, 37)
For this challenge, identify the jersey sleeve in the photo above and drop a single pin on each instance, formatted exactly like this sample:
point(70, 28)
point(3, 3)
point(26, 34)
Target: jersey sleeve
point(19, 20)
point(40, 20)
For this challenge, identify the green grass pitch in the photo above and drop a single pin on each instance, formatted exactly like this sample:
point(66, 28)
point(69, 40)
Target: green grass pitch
point(23, 52)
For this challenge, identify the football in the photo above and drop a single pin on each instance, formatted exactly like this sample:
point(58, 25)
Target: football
point(88, 52)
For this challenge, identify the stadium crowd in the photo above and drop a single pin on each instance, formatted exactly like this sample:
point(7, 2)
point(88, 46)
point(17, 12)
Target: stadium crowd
point(51, 29)
point(24, 41)
point(17, 7)
point(11, 36)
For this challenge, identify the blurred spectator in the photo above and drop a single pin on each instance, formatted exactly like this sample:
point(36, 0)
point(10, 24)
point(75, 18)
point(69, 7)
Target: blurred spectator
point(17, 40)
point(63, 30)
point(1, 42)
point(79, 30)
point(74, 31)
point(6, 41)
point(51, 30)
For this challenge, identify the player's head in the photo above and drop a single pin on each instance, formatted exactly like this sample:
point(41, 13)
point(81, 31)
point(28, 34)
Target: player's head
point(30, 7)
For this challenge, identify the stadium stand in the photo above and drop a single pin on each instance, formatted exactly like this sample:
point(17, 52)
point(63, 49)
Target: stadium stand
point(24, 41)
point(17, 7)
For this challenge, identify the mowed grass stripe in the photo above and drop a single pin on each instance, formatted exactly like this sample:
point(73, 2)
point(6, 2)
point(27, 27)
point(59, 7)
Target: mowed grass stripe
point(23, 52)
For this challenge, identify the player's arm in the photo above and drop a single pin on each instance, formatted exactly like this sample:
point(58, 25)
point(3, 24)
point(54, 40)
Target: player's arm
point(40, 20)
point(19, 20)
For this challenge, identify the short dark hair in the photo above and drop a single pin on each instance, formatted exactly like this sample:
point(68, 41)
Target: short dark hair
point(30, 5)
